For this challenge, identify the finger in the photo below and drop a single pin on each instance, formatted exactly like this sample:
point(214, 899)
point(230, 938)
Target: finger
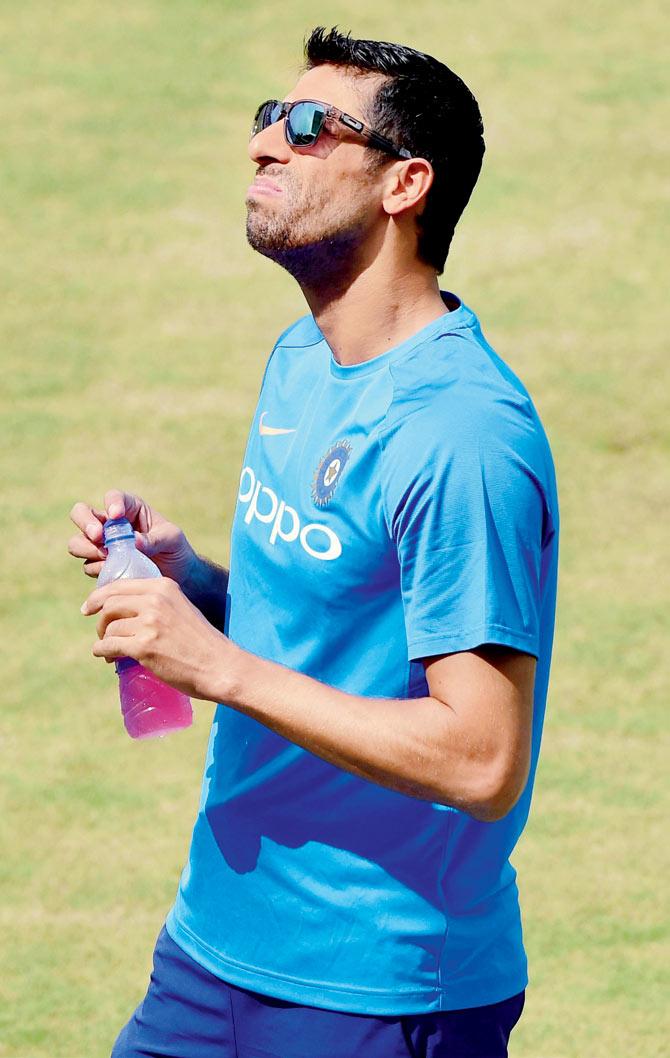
point(81, 547)
point(126, 626)
point(112, 612)
point(112, 647)
point(94, 530)
point(98, 596)
point(122, 504)
point(89, 520)
point(92, 569)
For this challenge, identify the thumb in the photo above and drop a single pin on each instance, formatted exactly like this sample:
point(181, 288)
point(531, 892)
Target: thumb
point(147, 543)
point(156, 541)
point(122, 504)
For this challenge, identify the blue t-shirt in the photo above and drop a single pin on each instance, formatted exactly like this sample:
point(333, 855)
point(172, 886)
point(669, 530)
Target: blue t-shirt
point(389, 511)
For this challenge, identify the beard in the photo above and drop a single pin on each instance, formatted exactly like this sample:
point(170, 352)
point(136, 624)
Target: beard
point(314, 242)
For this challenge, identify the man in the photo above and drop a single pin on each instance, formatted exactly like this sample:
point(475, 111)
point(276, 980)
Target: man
point(384, 661)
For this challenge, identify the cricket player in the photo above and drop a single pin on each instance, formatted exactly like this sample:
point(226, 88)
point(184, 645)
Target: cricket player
point(379, 651)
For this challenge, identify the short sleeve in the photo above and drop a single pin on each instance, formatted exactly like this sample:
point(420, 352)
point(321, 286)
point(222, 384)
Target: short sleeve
point(466, 509)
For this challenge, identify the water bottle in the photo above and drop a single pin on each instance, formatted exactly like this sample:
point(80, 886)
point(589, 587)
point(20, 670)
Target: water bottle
point(150, 707)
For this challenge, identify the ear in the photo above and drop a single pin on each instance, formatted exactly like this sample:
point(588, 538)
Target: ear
point(406, 185)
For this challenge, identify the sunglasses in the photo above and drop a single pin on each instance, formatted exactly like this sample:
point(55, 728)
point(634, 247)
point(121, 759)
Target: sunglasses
point(306, 119)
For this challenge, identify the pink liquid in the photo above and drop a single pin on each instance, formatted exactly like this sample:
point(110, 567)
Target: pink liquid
point(150, 707)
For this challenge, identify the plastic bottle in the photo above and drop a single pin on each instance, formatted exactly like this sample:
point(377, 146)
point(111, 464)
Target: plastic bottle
point(150, 707)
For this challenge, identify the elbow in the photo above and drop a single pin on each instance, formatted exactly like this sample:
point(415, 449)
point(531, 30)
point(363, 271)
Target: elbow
point(489, 785)
point(497, 792)
point(494, 809)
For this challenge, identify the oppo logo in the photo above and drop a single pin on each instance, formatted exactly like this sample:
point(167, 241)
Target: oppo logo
point(265, 506)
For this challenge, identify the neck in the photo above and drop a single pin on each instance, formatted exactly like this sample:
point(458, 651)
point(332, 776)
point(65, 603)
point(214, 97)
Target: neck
point(367, 313)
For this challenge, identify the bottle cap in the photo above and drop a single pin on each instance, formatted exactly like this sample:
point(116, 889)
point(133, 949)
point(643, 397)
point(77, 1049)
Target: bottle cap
point(117, 529)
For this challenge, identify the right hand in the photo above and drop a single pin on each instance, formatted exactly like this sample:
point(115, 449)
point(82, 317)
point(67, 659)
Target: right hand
point(163, 542)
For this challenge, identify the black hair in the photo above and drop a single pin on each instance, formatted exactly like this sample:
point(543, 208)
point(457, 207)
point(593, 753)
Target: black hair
point(425, 107)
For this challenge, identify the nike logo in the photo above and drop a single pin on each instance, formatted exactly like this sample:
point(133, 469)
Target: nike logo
point(271, 431)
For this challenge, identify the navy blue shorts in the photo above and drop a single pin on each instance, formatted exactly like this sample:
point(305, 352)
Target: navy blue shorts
point(189, 1013)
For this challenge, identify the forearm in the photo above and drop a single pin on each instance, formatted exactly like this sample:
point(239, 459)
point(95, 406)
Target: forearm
point(206, 586)
point(392, 742)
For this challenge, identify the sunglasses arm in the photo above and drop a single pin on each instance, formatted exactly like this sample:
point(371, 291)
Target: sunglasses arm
point(379, 141)
point(375, 139)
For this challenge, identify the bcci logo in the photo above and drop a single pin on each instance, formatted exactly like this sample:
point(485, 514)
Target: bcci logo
point(329, 472)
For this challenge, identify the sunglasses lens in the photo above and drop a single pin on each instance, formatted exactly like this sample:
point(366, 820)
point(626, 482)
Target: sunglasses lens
point(304, 123)
point(266, 115)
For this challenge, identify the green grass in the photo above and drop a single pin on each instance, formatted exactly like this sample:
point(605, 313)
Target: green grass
point(136, 325)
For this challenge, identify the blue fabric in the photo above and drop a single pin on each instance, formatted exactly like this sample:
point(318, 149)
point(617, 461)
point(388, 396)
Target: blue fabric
point(397, 509)
point(189, 1013)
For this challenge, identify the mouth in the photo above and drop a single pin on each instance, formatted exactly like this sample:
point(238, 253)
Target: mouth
point(263, 186)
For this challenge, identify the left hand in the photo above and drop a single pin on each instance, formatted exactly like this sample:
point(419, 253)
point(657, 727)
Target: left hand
point(152, 621)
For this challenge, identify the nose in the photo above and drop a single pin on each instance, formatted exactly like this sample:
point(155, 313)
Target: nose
point(269, 145)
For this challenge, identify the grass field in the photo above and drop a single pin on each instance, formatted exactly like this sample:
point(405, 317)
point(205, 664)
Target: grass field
point(136, 324)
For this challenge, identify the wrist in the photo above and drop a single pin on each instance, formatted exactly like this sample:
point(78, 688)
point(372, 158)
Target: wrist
point(205, 584)
point(190, 579)
point(227, 674)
